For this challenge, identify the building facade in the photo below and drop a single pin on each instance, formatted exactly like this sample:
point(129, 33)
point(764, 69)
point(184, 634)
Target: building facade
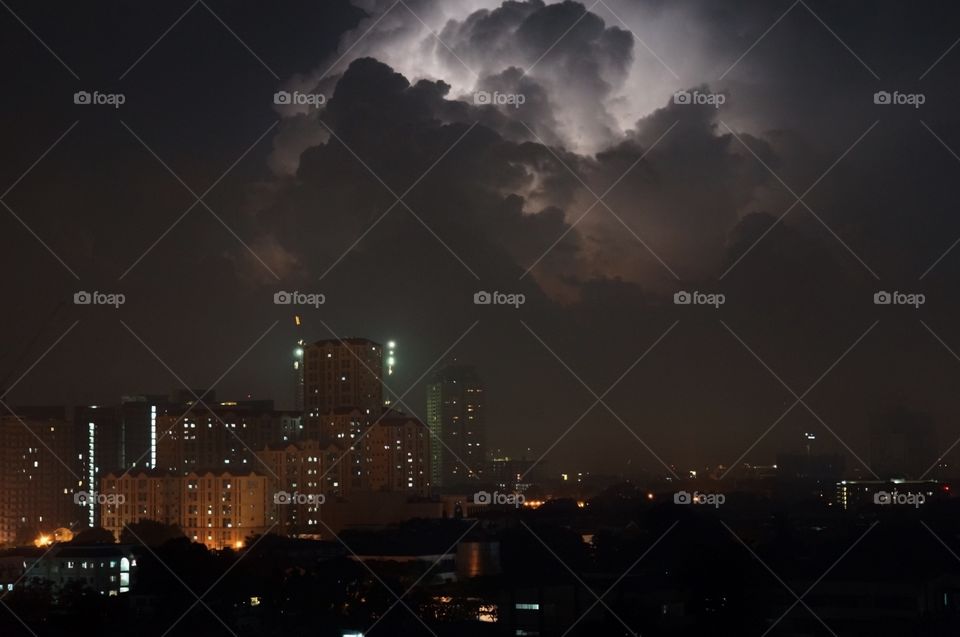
point(39, 473)
point(456, 418)
point(343, 374)
point(217, 508)
point(397, 455)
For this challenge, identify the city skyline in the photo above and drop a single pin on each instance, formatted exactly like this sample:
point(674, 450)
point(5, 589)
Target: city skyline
point(472, 317)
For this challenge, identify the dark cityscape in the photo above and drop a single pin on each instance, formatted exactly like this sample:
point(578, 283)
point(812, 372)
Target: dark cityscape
point(349, 318)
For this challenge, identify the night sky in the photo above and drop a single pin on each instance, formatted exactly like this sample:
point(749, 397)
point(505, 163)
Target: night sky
point(694, 198)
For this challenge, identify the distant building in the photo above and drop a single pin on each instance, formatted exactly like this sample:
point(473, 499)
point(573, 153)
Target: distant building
point(511, 474)
point(140, 431)
point(98, 439)
point(225, 436)
point(343, 374)
point(39, 472)
point(107, 569)
point(303, 475)
point(456, 417)
point(217, 508)
point(856, 494)
point(397, 455)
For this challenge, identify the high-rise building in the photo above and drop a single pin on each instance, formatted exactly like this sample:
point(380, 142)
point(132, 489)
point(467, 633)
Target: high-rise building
point(138, 418)
point(98, 438)
point(343, 373)
point(456, 418)
point(397, 455)
point(39, 472)
point(225, 436)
